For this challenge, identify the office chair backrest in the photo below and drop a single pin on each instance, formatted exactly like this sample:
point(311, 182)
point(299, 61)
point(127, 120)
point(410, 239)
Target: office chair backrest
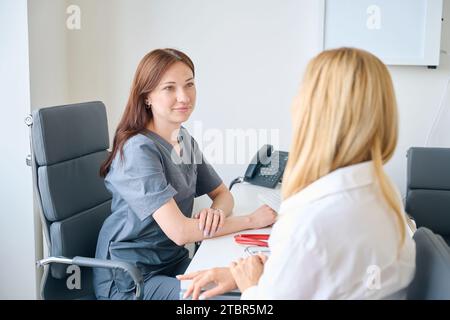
point(69, 144)
point(432, 278)
point(428, 189)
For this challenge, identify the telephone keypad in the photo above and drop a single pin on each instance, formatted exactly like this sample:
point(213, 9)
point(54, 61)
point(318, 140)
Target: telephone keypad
point(269, 174)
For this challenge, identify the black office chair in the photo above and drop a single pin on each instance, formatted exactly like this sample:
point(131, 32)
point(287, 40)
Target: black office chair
point(428, 189)
point(68, 145)
point(432, 277)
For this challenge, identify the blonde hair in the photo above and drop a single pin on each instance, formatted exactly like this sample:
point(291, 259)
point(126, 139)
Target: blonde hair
point(344, 114)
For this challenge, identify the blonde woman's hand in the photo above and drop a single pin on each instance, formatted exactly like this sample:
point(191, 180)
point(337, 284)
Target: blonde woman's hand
point(221, 277)
point(246, 272)
point(210, 221)
point(262, 217)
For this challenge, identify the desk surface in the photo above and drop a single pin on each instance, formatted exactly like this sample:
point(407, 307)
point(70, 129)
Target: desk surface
point(221, 251)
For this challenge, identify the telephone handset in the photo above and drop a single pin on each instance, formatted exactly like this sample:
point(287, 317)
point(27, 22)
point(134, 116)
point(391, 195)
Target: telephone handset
point(267, 167)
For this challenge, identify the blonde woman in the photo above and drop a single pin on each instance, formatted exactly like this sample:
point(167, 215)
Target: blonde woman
point(342, 231)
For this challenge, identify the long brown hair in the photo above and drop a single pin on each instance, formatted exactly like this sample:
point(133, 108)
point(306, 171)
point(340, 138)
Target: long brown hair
point(344, 114)
point(136, 116)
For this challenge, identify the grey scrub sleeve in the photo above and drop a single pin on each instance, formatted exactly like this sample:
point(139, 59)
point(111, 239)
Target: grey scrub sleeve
point(207, 178)
point(140, 179)
point(141, 182)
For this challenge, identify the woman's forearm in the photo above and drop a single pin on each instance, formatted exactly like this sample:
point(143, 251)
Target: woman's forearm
point(192, 233)
point(225, 202)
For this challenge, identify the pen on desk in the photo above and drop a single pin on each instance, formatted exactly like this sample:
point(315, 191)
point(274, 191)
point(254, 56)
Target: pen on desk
point(252, 239)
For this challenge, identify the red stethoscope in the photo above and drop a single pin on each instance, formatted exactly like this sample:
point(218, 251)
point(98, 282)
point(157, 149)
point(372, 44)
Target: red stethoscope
point(260, 240)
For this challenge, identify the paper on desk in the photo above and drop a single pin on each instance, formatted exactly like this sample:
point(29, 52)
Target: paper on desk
point(255, 250)
point(272, 198)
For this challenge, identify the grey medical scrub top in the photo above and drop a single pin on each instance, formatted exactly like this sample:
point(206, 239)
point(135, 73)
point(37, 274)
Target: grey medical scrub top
point(150, 174)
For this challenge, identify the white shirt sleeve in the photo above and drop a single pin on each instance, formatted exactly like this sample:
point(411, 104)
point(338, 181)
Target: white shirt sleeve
point(294, 270)
point(250, 294)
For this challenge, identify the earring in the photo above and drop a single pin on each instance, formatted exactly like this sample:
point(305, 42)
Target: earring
point(147, 104)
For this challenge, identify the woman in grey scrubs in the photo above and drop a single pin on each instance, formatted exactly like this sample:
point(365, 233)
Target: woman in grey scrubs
point(154, 172)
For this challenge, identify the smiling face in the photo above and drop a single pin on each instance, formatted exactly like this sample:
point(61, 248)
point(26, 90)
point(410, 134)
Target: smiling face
point(173, 99)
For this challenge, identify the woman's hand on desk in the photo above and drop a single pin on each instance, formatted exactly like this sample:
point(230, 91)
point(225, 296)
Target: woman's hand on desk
point(220, 276)
point(210, 220)
point(263, 217)
point(246, 272)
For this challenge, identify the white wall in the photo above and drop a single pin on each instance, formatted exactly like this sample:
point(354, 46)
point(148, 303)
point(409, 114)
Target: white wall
point(249, 57)
point(18, 276)
point(48, 53)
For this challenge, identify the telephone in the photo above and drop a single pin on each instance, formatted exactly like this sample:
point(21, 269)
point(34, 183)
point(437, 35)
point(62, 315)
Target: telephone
point(267, 167)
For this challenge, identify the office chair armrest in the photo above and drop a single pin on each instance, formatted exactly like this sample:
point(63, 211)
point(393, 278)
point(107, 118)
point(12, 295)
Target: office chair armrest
point(132, 270)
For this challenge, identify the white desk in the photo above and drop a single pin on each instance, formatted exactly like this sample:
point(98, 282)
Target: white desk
point(221, 251)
